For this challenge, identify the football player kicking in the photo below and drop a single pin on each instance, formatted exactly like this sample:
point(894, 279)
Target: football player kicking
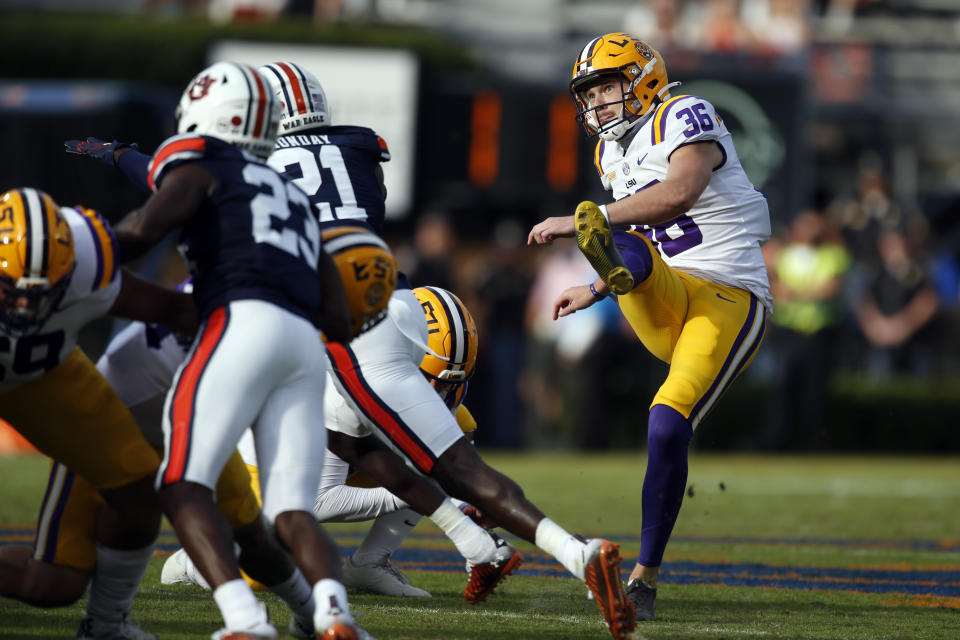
point(262, 285)
point(680, 246)
point(58, 271)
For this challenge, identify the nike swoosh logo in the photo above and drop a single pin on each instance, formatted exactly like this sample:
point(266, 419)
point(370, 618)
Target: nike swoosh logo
point(640, 161)
point(614, 55)
point(727, 299)
point(409, 524)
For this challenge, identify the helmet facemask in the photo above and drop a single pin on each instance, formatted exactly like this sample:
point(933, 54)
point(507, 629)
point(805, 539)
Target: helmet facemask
point(25, 305)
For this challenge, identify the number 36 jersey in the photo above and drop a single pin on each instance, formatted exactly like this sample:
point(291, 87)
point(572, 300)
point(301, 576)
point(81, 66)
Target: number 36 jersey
point(94, 286)
point(719, 238)
point(255, 237)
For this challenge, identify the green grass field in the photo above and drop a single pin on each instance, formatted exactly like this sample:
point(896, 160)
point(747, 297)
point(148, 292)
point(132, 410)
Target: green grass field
point(766, 547)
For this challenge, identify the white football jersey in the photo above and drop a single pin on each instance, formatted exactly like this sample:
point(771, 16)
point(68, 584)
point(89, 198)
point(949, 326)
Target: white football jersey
point(93, 289)
point(719, 239)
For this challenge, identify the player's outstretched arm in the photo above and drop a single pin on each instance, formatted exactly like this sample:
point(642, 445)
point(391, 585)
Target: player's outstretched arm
point(142, 300)
point(120, 155)
point(178, 199)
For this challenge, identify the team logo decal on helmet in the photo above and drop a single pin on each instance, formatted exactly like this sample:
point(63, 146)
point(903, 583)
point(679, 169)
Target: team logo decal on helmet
point(36, 259)
point(232, 102)
point(368, 270)
point(303, 101)
point(200, 87)
point(640, 72)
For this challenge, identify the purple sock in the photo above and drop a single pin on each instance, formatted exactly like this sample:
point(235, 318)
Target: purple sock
point(668, 438)
point(635, 254)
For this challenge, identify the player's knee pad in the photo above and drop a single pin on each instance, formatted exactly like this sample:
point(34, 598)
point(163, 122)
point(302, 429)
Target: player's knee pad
point(635, 253)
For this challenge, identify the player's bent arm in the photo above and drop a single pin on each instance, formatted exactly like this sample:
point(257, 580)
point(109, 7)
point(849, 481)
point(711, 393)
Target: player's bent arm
point(689, 173)
point(385, 467)
point(334, 315)
point(145, 301)
point(177, 200)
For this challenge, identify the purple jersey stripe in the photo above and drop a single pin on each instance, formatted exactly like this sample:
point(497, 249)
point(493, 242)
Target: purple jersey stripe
point(96, 245)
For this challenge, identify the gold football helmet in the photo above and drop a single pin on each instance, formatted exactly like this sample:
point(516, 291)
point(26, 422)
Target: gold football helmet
point(368, 270)
point(452, 334)
point(638, 68)
point(36, 259)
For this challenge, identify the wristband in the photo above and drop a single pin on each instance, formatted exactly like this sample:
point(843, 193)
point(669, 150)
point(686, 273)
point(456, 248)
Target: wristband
point(603, 210)
point(596, 295)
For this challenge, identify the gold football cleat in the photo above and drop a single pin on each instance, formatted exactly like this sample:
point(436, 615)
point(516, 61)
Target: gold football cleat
point(595, 240)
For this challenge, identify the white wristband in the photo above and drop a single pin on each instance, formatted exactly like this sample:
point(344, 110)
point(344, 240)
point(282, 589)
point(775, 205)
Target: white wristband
point(603, 210)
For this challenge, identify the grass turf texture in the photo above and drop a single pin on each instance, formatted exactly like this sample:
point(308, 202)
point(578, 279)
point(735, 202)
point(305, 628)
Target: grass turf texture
point(766, 546)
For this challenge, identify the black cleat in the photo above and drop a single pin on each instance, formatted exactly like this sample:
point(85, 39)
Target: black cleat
point(642, 596)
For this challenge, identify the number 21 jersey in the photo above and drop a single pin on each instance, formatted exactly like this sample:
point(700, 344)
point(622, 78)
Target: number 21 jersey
point(719, 238)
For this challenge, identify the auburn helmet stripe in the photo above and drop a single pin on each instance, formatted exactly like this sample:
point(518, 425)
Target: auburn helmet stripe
point(744, 347)
point(51, 512)
point(181, 409)
point(344, 366)
point(178, 148)
point(37, 236)
point(292, 79)
point(260, 96)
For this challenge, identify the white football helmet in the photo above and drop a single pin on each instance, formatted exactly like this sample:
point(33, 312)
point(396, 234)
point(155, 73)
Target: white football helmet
point(302, 100)
point(233, 102)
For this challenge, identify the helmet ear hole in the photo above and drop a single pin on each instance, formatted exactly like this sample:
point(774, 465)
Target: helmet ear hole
point(653, 84)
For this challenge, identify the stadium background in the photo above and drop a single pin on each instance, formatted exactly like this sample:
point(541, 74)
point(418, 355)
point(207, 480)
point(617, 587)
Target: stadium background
point(846, 109)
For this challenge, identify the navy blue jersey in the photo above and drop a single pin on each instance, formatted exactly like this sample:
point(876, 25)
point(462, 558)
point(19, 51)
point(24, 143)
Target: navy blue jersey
point(254, 237)
point(336, 167)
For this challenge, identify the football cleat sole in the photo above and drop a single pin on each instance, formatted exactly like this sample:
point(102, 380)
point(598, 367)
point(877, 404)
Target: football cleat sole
point(603, 579)
point(484, 578)
point(595, 240)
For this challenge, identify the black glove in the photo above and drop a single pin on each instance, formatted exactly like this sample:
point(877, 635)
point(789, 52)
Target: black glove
point(97, 148)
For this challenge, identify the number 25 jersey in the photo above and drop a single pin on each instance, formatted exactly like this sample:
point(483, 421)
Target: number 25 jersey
point(719, 238)
point(255, 237)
